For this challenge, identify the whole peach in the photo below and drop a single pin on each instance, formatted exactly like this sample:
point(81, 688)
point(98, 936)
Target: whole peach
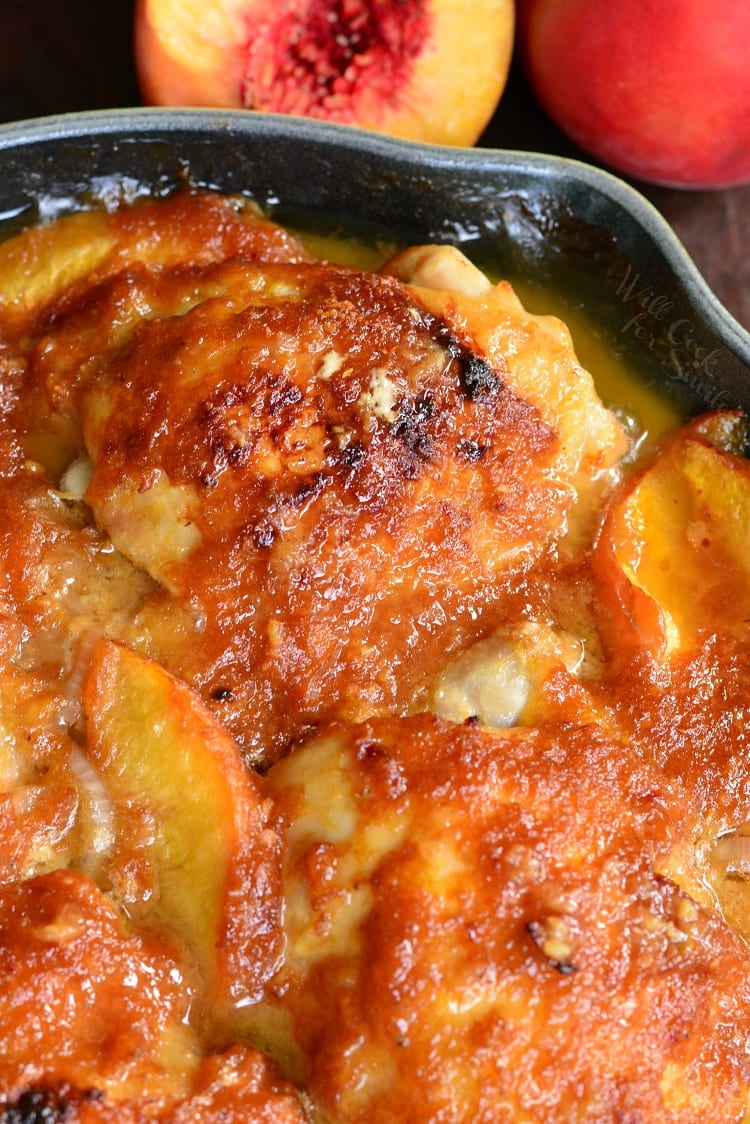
point(656, 89)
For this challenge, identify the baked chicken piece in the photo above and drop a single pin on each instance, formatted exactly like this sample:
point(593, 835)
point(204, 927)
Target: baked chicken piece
point(332, 483)
point(94, 1023)
point(491, 926)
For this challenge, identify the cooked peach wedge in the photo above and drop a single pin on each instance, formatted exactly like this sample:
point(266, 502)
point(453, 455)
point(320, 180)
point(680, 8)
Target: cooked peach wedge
point(192, 857)
point(40, 264)
point(673, 557)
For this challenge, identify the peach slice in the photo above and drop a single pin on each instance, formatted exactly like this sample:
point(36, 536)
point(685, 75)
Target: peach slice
point(428, 71)
point(47, 261)
point(38, 264)
point(192, 856)
point(673, 557)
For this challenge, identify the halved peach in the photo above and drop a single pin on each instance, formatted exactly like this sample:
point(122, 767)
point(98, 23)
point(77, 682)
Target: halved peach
point(431, 70)
point(673, 558)
point(192, 856)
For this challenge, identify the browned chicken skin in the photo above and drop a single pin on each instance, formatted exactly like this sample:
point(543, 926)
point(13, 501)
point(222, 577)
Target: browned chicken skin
point(332, 485)
point(509, 897)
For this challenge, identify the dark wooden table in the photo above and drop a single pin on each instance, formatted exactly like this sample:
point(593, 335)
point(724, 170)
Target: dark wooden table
point(65, 55)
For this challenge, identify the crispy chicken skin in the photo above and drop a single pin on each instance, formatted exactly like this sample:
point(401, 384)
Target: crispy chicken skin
point(521, 898)
point(332, 483)
point(63, 950)
point(93, 1022)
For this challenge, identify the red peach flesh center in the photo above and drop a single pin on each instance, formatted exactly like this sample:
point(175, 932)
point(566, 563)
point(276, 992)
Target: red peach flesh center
point(316, 58)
